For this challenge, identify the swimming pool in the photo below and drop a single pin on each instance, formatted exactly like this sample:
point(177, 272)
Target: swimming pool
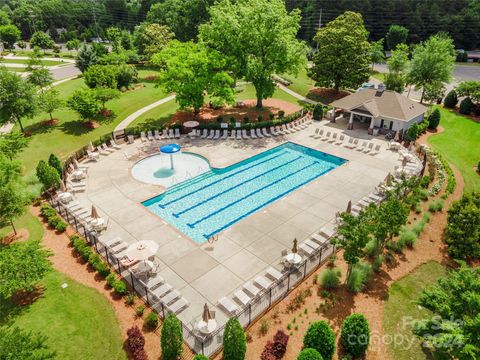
point(213, 201)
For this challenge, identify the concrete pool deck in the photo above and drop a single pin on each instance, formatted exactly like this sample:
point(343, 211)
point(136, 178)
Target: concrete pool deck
point(207, 272)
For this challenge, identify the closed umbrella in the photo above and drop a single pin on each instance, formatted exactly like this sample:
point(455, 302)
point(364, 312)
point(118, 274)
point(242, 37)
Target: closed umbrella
point(142, 250)
point(62, 187)
point(75, 164)
point(404, 161)
point(294, 249)
point(349, 207)
point(206, 313)
point(90, 146)
point(94, 213)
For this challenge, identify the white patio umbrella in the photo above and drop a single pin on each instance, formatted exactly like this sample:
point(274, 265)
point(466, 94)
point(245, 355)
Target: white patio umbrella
point(142, 250)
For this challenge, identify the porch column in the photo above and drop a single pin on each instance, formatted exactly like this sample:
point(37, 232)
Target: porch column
point(350, 122)
point(372, 125)
point(334, 115)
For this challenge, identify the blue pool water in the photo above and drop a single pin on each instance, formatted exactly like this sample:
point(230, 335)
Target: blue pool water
point(213, 201)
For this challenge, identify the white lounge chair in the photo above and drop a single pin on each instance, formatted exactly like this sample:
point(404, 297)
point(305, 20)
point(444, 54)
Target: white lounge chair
point(376, 150)
point(315, 134)
point(362, 147)
point(228, 305)
point(211, 135)
point(306, 249)
point(171, 134)
point(106, 148)
point(119, 247)
point(273, 131)
point(164, 134)
point(216, 135)
point(150, 136)
point(327, 136)
point(102, 152)
point(114, 145)
point(224, 135)
point(340, 140)
point(157, 135)
point(354, 144)
point(242, 297)
point(233, 134)
point(259, 133)
point(250, 288)
point(314, 245)
point(204, 134)
point(333, 138)
point(161, 291)
point(170, 297)
point(349, 144)
point(244, 134)
point(143, 137)
point(93, 156)
point(368, 148)
point(177, 133)
point(263, 282)
point(252, 134)
point(178, 305)
point(265, 132)
point(274, 273)
point(319, 238)
point(327, 231)
point(239, 134)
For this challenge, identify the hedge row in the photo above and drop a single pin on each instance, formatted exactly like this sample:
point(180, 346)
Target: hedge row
point(54, 221)
point(87, 254)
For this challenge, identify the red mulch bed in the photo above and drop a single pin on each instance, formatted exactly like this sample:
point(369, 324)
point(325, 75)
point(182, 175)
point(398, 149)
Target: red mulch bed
point(326, 93)
point(50, 122)
point(208, 114)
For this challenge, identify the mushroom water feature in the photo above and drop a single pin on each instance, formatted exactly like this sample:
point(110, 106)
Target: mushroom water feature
point(170, 149)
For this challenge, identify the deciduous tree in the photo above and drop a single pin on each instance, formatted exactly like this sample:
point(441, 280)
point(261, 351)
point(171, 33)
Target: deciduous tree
point(9, 35)
point(396, 35)
point(50, 101)
point(397, 65)
point(12, 143)
point(191, 71)
point(22, 266)
point(258, 38)
point(85, 103)
point(453, 331)
point(376, 52)
point(432, 62)
point(151, 39)
point(19, 344)
point(42, 40)
point(343, 57)
point(12, 195)
point(18, 98)
point(105, 94)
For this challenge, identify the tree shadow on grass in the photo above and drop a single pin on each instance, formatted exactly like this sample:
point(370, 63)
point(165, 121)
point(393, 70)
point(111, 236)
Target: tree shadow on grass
point(75, 127)
point(150, 124)
point(39, 128)
point(18, 304)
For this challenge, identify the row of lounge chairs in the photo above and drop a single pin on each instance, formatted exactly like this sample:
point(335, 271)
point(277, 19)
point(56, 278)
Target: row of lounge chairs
point(366, 147)
point(155, 135)
point(80, 213)
point(316, 241)
point(250, 290)
point(158, 292)
point(103, 149)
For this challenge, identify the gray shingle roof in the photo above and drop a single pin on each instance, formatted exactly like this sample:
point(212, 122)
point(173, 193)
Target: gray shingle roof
point(387, 103)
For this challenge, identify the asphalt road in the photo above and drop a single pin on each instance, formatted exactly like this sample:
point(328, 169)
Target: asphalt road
point(460, 72)
point(63, 72)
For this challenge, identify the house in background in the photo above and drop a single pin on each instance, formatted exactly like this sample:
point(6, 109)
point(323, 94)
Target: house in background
point(379, 111)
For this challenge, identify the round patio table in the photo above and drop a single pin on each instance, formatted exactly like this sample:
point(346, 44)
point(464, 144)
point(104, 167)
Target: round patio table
point(293, 258)
point(191, 124)
point(207, 327)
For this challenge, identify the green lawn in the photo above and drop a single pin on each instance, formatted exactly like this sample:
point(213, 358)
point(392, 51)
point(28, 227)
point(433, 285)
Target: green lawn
point(70, 133)
point(459, 144)
point(78, 321)
point(162, 113)
point(401, 308)
point(300, 83)
point(25, 61)
point(378, 75)
point(15, 69)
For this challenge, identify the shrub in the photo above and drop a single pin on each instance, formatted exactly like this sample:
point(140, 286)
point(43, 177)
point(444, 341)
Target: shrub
point(234, 341)
point(135, 342)
point(466, 106)
point(61, 226)
point(478, 167)
point(320, 336)
point(451, 99)
point(371, 247)
point(130, 300)
point(434, 119)
point(424, 182)
point(246, 119)
point(47, 175)
point(309, 354)
point(263, 326)
point(331, 278)
point(139, 310)
point(355, 335)
point(271, 115)
point(281, 114)
point(111, 279)
point(317, 112)
point(200, 357)
point(377, 263)
point(120, 287)
point(359, 277)
point(436, 205)
point(171, 338)
point(412, 133)
point(93, 259)
point(102, 268)
point(274, 350)
point(151, 321)
point(408, 238)
point(55, 162)
point(259, 118)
